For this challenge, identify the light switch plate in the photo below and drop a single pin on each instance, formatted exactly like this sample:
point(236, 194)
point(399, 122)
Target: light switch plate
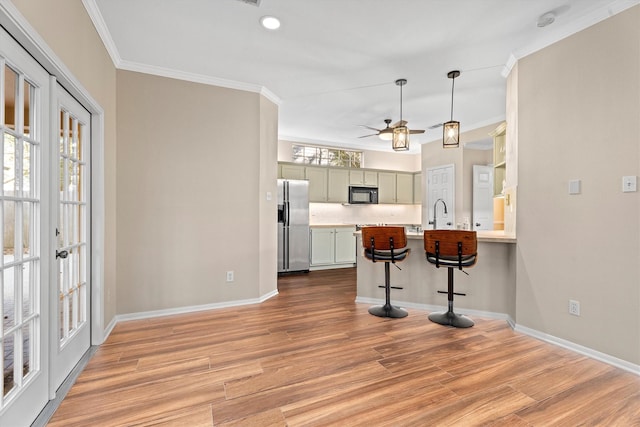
point(629, 184)
point(574, 186)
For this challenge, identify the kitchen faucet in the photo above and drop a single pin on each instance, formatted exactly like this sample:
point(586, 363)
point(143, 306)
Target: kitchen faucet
point(434, 211)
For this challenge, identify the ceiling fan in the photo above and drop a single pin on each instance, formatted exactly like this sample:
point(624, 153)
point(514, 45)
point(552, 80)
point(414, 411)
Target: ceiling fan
point(387, 132)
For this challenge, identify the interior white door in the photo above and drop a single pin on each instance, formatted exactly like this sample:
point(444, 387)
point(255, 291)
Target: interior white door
point(25, 130)
point(440, 189)
point(482, 197)
point(70, 310)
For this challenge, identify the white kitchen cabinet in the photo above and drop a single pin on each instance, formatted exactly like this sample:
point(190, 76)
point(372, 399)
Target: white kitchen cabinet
point(338, 186)
point(345, 245)
point(386, 187)
point(292, 171)
point(322, 246)
point(404, 188)
point(363, 177)
point(332, 247)
point(317, 177)
point(417, 188)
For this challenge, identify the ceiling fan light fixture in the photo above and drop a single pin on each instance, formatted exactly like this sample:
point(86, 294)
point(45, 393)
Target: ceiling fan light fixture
point(400, 140)
point(451, 129)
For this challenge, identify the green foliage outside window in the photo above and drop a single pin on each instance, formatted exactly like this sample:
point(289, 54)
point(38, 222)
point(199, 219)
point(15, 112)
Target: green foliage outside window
point(326, 156)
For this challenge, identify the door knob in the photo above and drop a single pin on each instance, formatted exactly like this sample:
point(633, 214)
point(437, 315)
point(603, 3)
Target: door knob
point(61, 254)
point(449, 223)
point(478, 224)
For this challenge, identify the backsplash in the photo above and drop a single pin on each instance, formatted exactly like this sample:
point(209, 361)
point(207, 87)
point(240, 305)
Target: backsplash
point(336, 213)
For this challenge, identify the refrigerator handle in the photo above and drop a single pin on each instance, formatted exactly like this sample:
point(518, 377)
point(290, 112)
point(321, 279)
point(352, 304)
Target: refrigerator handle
point(286, 213)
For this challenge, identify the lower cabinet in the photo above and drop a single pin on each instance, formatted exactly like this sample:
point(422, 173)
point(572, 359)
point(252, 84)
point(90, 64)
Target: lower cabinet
point(332, 247)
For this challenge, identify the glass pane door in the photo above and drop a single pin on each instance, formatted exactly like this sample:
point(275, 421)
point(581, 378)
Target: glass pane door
point(72, 237)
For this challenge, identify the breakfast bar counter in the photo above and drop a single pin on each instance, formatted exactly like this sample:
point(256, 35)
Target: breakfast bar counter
point(489, 285)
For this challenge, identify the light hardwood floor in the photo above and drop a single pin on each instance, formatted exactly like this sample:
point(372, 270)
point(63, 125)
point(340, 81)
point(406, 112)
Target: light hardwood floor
point(313, 357)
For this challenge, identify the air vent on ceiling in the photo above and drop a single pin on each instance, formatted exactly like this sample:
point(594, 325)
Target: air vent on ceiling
point(253, 2)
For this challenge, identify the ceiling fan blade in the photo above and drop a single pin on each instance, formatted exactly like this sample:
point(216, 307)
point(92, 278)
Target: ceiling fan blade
point(369, 127)
point(366, 136)
point(435, 126)
point(385, 130)
point(399, 123)
point(412, 131)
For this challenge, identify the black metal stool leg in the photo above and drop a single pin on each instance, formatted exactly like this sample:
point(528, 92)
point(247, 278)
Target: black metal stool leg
point(449, 318)
point(387, 310)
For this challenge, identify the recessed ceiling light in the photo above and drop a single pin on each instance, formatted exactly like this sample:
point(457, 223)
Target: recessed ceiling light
point(270, 22)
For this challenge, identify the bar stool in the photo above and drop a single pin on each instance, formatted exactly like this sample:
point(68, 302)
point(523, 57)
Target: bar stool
point(451, 249)
point(386, 244)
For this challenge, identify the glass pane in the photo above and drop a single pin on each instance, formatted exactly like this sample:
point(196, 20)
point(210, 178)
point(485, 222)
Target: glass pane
point(61, 177)
point(28, 97)
point(82, 260)
point(9, 163)
point(73, 181)
point(80, 181)
point(27, 229)
point(73, 138)
point(62, 133)
point(10, 91)
point(27, 297)
point(7, 345)
point(9, 300)
point(79, 154)
point(27, 351)
point(9, 209)
point(26, 170)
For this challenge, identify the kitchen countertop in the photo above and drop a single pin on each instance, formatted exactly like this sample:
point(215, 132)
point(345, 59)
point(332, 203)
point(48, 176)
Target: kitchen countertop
point(486, 236)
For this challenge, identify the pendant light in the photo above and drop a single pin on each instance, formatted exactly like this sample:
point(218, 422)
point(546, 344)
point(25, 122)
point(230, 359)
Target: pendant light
point(451, 129)
point(400, 141)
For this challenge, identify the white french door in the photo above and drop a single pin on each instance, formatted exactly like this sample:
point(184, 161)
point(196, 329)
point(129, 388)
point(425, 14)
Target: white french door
point(441, 185)
point(25, 130)
point(70, 328)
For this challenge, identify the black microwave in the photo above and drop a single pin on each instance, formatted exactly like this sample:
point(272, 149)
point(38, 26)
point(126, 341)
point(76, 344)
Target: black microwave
point(363, 195)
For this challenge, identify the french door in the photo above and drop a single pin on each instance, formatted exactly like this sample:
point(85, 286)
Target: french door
point(25, 130)
point(71, 329)
point(44, 212)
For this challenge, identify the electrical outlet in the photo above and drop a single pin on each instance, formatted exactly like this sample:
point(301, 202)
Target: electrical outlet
point(574, 307)
point(229, 276)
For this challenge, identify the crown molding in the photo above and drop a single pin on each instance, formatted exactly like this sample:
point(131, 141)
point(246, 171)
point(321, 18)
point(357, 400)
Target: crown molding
point(101, 27)
point(551, 37)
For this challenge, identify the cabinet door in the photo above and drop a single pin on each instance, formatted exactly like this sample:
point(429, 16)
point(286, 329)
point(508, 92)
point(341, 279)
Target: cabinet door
point(292, 172)
point(317, 184)
point(356, 177)
point(371, 178)
point(404, 188)
point(345, 250)
point(386, 187)
point(322, 246)
point(417, 189)
point(338, 183)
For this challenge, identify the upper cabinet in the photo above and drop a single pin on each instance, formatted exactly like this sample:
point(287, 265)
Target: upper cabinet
point(363, 177)
point(338, 186)
point(288, 171)
point(499, 159)
point(317, 177)
point(331, 184)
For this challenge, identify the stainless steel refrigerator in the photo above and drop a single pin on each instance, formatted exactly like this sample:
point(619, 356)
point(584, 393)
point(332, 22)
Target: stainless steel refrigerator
point(293, 225)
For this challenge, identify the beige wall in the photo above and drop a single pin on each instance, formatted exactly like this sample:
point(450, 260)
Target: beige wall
point(190, 196)
point(73, 38)
point(578, 118)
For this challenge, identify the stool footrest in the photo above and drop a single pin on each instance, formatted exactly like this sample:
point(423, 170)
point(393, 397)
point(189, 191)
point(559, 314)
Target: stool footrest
point(455, 293)
point(392, 287)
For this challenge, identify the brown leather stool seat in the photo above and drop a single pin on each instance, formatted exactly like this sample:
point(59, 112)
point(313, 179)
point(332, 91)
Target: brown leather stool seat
point(451, 249)
point(386, 244)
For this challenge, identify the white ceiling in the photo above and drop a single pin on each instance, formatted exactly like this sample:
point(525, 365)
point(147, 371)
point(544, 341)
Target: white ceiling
point(332, 64)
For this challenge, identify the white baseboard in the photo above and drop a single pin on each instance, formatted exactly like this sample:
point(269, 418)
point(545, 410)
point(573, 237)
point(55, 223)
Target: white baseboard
point(586, 351)
point(577, 348)
point(188, 309)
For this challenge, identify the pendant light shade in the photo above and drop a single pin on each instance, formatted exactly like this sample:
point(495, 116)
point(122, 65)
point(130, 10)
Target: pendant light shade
point(400, 141)
point(451, 129)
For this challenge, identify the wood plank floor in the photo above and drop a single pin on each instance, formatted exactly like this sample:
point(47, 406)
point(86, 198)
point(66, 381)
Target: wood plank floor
point(313, 357)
